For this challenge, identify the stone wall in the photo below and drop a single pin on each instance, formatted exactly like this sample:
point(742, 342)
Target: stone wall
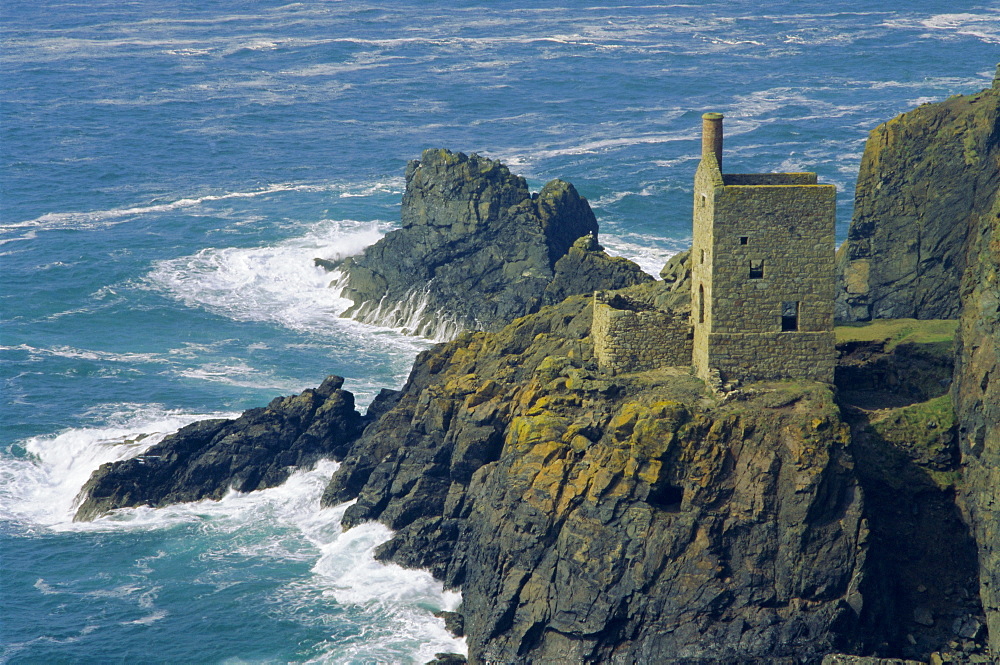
point(631, 336)
point(780, 355)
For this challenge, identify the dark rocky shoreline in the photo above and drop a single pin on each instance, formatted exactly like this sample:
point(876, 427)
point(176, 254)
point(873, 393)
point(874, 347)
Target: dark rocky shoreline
point(641, 517)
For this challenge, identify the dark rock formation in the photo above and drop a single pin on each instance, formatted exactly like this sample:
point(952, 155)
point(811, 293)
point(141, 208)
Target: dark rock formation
point(976, 392)
point(586, 268)
point(926, 178)
point(477, 250)
point(627, 519)
point(257, 450)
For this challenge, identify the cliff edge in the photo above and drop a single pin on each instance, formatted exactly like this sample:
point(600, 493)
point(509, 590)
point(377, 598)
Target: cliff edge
point(926, 179)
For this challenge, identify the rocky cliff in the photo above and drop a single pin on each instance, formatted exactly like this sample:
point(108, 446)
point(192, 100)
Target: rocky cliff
point(476, 250)
point(926, 179)
point(924, 242)
point(976, 393)
point(590, 518)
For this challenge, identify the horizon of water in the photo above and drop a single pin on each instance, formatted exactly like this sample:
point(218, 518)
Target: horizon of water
point(171, 169)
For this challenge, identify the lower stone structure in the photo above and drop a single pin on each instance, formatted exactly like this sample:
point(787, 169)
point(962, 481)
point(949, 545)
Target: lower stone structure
point(633, 336)
point(780, 355)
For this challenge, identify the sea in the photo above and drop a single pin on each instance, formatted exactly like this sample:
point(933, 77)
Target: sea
point(171, 168)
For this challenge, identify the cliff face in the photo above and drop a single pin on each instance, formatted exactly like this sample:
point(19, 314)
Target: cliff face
point(926, 178)
point(476, 250)
point(976, 392)
point(615, 519)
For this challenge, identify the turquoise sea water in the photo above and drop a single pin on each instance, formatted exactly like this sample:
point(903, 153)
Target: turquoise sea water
point(170, 169)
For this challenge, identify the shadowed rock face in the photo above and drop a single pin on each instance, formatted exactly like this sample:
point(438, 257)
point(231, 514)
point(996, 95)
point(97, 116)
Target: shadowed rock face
point(976, 392)
point(926, 178)
point(477, 250)
point(590, 518)
point(204, 460)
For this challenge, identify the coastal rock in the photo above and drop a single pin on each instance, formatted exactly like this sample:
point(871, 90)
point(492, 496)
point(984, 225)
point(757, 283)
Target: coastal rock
point(476, 250)
point(976, 393)
point(206, 459)
point(586, 268)
point(632, 518)
point(926, 178)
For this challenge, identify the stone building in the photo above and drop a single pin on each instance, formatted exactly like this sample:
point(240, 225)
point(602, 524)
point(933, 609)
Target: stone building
point(762, 271)
point(762, 282)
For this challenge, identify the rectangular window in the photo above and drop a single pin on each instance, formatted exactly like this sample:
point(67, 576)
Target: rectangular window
point(789, 316)
point(744, 240)
point(756, 269)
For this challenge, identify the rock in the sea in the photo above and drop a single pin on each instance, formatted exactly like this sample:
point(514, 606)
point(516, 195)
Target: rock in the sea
point(476, 250)
point(204, 460)
point(927, 177)
point(590, 518)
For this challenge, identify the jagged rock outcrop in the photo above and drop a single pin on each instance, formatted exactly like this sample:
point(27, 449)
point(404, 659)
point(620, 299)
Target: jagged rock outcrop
point(976, 393)
point(926, 178)
point(586, 268)
point(259, 449)
point(476, 250)
point(633, 518)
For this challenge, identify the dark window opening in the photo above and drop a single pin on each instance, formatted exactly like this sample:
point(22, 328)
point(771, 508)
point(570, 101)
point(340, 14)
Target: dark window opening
point(704, 199)
point(702, 256)
point(789, 316)
point(666, 496)
point(757, 269)
point(744, 240)
point(701, 303)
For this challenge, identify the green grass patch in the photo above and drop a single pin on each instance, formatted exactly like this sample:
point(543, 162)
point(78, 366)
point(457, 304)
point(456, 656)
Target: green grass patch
point(899, 331)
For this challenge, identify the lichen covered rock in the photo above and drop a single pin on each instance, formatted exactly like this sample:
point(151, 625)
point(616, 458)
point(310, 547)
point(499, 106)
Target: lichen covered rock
point(976, 391)
point(633, 518)
point(926, 178)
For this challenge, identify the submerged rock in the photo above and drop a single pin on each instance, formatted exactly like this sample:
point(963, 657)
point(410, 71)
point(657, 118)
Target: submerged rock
point(476, 250)
point(926, 179)
point(206, 459)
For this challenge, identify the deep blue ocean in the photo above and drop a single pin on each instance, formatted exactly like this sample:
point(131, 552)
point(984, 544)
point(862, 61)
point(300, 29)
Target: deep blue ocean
point(169, 171)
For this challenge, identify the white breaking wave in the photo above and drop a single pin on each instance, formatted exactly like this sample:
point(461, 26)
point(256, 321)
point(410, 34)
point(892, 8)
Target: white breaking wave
point(276, 283)
point(283, 523)
point(647, 251)
point(281, 284)
point(985, 27)
point(42, 488)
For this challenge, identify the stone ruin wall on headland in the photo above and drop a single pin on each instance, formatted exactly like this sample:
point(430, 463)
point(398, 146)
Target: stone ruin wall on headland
point(630, 336)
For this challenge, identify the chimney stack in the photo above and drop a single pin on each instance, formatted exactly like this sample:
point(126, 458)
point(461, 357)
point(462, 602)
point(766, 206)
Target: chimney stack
point(711, 136)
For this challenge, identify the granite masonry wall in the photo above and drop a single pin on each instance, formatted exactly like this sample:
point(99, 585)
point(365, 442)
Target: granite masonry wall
point(631, 336)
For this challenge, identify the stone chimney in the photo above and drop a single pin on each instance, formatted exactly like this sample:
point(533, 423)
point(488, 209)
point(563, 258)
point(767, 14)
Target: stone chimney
point(711, 136)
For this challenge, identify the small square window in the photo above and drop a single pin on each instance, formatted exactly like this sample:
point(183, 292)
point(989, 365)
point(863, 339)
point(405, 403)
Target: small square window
point(757, 269)
point(744, 240)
